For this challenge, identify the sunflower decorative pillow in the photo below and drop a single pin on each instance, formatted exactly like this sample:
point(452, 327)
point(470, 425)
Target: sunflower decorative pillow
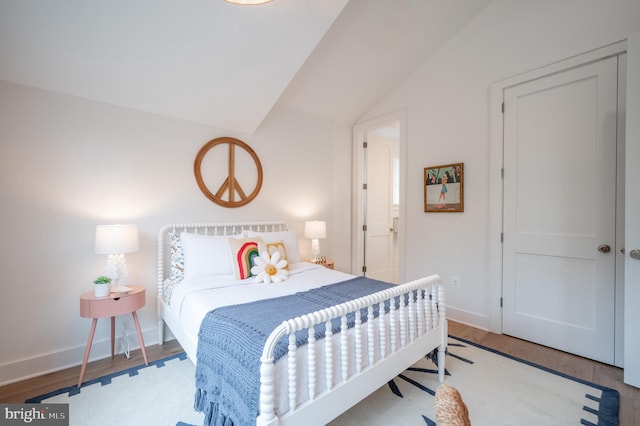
point(269, 268)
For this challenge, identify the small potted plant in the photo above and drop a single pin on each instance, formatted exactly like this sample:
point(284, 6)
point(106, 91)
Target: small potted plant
point(102, 286)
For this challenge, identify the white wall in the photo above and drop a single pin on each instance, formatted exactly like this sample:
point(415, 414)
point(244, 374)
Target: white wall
point(447, 101)
point(68, 164)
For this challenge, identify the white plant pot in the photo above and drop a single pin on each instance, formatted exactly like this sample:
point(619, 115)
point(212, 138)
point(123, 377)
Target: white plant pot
point(102, 290)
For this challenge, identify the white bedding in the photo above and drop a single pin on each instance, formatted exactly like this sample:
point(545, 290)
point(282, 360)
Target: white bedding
point(192, 299)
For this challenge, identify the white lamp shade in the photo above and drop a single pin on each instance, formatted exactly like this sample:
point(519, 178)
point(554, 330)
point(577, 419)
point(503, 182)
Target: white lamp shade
point(116, 239)
point(315, 229)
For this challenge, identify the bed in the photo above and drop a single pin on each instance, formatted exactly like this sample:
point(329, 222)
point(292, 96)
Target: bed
point(347, 335)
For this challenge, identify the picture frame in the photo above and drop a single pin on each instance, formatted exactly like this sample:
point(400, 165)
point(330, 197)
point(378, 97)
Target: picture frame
point(444, 188)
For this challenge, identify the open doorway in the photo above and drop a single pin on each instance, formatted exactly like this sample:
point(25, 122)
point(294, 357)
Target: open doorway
point(378, 198)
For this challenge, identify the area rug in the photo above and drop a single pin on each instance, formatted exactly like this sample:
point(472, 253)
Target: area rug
point(158, 394)
point(497, 388)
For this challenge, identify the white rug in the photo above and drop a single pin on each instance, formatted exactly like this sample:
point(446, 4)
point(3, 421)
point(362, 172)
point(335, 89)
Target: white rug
point(160, 394)
point(498, 390)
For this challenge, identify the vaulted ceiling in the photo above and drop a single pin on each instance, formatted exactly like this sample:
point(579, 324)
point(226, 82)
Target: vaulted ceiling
point(224, 65)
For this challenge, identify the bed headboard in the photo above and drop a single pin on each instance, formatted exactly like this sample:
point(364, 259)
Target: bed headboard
point(205, 228)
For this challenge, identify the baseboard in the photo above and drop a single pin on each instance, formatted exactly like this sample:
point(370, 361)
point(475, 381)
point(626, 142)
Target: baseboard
point(468, 318)
point(55, 361)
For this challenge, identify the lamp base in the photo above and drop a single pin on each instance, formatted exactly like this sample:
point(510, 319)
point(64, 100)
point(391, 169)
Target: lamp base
point(117, 269)
point(315, 250)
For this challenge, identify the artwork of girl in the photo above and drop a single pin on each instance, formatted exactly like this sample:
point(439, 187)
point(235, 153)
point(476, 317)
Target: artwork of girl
point(443, 193)
point(443, 188)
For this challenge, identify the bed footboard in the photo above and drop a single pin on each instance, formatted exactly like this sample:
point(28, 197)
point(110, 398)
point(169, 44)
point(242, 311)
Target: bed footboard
point(400, 336)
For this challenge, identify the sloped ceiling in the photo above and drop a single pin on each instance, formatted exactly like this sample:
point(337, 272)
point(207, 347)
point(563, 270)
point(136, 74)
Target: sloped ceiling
point(370, 49)
point(211, 62)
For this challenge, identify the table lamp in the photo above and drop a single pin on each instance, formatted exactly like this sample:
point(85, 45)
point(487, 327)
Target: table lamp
point(315, 229)
point(115, 241)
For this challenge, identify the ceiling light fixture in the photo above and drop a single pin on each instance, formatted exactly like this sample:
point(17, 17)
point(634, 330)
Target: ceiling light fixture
point(247, 2)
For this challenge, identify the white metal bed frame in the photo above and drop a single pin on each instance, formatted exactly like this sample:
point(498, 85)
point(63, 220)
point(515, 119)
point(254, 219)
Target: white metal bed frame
point(413, 330)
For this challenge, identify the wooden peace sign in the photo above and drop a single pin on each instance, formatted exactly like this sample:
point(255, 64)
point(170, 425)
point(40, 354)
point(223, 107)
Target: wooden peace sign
point(230, 186)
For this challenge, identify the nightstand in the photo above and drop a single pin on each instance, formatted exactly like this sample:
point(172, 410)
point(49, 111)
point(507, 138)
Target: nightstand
point(326, 263)
point(111, 306)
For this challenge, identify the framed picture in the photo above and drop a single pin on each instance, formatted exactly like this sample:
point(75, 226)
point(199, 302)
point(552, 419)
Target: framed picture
point(443, 188)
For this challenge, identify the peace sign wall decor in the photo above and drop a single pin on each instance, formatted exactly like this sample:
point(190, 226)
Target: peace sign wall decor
point(230, 192)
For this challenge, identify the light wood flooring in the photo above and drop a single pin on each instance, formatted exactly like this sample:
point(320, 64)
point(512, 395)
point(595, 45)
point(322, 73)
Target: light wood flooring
point(21, 391)
point(582, 368)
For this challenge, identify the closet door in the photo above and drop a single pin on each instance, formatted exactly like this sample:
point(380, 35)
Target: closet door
point(559, 210)
point(632, 230)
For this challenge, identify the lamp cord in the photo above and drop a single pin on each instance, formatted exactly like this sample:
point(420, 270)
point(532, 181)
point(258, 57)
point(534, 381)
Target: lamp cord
point(124, 338)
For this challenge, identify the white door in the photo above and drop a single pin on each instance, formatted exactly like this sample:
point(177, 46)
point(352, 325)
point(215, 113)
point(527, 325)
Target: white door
point(559, 210)
point(378, 198)
point(379, 248)
point(632, 238)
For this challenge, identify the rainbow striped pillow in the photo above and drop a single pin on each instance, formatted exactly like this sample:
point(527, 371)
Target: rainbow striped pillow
point(243, 253)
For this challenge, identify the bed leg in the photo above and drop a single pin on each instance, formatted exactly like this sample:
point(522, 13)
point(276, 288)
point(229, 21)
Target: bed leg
point(160, 332)
point(441, 356)
point(267, 415)
point(442, 350)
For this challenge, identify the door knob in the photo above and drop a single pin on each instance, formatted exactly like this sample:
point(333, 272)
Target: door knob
point(604, 248)
point(635, 254)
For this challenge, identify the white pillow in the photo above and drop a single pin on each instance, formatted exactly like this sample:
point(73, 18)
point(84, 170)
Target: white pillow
point(288, 237)
point(205, 255)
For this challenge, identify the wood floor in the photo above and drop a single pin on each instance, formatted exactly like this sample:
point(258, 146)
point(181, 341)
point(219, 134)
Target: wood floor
point(585, 369)
point(21, 391)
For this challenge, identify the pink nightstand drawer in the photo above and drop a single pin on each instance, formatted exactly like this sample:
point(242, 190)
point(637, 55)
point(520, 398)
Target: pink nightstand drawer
point(113, 305)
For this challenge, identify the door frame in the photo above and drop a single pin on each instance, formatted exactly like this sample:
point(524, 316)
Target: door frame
point(496, 164)
point(359, 132)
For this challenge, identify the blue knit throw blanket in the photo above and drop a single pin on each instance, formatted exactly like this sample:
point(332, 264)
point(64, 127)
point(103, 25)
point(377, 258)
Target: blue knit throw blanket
point(231, 341)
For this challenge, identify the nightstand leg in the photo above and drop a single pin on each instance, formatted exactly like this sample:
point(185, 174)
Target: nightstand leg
point(87, 350)
point(113, 336)
point(144, 352)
